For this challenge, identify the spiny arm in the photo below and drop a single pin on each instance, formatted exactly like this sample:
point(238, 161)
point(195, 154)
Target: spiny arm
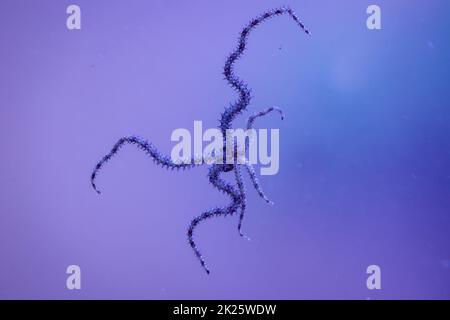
point(145, 146)
point(216, 181)
point(248, 166)
point(241, 187)
point(244, 92)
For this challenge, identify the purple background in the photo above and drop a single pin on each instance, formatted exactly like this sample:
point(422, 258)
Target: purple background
point(365, 151)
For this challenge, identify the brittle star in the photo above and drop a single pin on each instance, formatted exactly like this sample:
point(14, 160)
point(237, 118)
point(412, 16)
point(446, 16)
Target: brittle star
point(235, 192)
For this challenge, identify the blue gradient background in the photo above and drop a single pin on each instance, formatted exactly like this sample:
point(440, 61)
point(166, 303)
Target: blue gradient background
point(365, 151)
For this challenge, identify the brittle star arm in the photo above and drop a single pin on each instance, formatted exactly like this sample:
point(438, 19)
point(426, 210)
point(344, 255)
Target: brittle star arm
point(216, 181)
point(233, 80)
point(248, 166)
point(241, 187)
point(255, 182)
point(149, 149)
